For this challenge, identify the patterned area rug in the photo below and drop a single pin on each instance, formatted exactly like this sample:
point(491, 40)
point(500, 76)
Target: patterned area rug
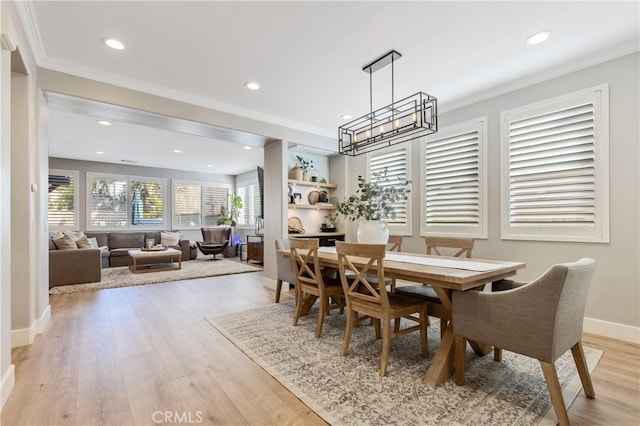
point(121, 276)
point(348, 391)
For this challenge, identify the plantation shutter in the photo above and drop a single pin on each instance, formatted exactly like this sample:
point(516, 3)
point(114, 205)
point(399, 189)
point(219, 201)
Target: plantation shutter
point(62, 211)
point(186, 205)
point(551, 167)
point(452, 180)
point(454, 177)
point(250, 195)
point(214, 198)
point(557, 169)
point(107, 202)
point(396, 163)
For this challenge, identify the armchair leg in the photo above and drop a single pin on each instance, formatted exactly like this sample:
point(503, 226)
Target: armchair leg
point(551, 377)
point(497, 354)
point(583, 370)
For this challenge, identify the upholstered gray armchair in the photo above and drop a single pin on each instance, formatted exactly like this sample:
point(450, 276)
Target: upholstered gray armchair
point(541, 319)
point(285, 271)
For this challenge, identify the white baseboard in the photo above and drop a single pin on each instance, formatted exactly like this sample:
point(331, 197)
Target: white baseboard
point(611, 329)
point(6, 386)
point(269, 283)
point(26, 336)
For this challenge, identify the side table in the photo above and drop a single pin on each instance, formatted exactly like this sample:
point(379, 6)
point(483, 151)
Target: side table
point(255, 248)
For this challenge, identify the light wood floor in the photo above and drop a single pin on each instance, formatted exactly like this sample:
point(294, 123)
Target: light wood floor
point(144, 355)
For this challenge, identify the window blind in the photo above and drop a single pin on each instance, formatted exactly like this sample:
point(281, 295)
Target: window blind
point(186, 204)
point(551, 167)
point(452, 180)
point(397, 164)
point(214, 197)
point(556, 169)
point(62, 211)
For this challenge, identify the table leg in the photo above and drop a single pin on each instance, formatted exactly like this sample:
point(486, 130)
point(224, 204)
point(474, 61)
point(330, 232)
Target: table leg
point(441, 365)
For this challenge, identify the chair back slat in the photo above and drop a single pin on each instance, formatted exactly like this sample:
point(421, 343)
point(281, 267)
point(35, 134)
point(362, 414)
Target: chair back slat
point(304, 260)
point(360, 288)
point(435, 244)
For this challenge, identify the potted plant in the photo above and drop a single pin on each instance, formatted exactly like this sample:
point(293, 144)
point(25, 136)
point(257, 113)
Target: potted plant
point(229, 216)
point(305, 165)
point(329, 224)
point(373, 204)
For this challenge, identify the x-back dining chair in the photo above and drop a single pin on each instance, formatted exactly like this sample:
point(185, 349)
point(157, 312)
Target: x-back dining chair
point(310, 283)
point(374, 301)
point(440, 246)
point(541, 319)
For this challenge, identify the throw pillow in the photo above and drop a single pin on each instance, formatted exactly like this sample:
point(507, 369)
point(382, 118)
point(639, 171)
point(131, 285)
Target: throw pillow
point(169, 239)
point(65, 243)
point(84, 242)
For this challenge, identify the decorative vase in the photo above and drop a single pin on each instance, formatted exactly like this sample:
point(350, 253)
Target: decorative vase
point(305, 176)
point(373, 232)
point(296, 173)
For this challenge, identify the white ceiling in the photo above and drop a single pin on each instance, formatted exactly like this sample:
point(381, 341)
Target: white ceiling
point(308, 58)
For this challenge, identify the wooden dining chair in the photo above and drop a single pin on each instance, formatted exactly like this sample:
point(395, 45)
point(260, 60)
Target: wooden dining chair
point(542, 319)
point(438, 246)
point(374, 301)
point(310, 283)
point(394, 243)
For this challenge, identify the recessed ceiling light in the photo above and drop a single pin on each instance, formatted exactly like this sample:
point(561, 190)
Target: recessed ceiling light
point(99, 152)
point(539, 37)
point(177, 151)
point(346, 116)
point(104, 122)
point(252, 85)
point(113, 43)
point(209, 165)
point(247, 147)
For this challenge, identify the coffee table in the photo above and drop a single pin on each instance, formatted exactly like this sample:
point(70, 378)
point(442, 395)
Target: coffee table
point(159, 260)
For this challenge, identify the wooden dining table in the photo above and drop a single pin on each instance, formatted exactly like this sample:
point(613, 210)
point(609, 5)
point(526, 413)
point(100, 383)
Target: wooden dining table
point(446, 275)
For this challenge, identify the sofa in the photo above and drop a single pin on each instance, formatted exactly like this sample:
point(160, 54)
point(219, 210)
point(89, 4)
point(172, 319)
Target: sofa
point(78, 265)
point(119, 243)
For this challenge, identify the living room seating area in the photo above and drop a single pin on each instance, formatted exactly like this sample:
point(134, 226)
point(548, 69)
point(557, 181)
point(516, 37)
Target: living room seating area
point(78, 257)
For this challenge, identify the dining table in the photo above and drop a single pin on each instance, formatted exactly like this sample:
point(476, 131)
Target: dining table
point(446, 275)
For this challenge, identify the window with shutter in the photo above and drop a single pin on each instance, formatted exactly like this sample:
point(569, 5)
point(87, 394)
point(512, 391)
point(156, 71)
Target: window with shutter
point(398, 164)
point(197, 204)
point(453, 198)
point(555, 157)
point(249, 192)
point(63, 200)
point(124, 202)
point(186, 205)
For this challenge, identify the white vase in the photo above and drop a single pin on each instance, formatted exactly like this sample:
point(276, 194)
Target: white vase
point(373, 232)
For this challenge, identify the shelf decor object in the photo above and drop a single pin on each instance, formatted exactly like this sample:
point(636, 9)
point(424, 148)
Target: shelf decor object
point(404, 120)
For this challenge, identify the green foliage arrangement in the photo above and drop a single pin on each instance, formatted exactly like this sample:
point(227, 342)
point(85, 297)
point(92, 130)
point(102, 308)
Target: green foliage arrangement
point(304, 164)
point(374, 200)
point(230, 216)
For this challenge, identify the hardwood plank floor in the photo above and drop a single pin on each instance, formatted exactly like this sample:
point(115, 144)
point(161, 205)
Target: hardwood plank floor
point(145, 355)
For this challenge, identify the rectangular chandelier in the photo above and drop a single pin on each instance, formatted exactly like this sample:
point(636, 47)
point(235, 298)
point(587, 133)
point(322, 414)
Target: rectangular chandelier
point(410, 118)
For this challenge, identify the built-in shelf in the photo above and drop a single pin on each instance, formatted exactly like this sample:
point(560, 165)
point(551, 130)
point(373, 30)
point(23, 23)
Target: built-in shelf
point(312, 206)
point(314, 184)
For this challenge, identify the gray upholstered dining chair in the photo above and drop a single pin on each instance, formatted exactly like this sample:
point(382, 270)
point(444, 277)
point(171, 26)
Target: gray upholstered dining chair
point(285, 270)
point(541, 319)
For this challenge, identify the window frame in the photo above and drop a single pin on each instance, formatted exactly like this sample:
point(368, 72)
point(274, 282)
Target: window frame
point(75, 175)
point(249, 183)
point(480, 230)
point(129, 180)
point(202, 186)
point(555, 231)
point(407, 227)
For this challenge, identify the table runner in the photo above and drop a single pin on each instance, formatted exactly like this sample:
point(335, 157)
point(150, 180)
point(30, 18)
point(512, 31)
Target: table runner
point(468, 265)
